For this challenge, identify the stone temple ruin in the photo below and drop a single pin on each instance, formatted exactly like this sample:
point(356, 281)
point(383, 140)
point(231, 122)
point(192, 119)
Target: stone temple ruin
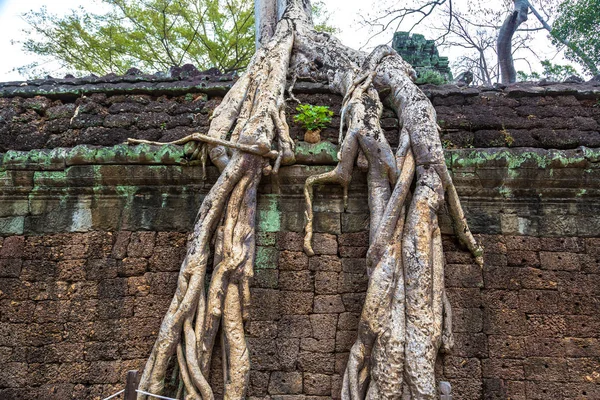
point(421, 53)
point(93, 232)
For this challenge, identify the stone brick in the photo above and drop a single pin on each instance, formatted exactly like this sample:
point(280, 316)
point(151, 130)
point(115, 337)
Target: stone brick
point(293, 261)
point(166, 259)
point(292, 241)
point(589, 263)
point(580, 390)
point(344, 340)
point(459, 257)
point(287, 353)
point(546, 325)
point(266, 278)
point(112, 288)
point(526, 243)
point(12, 247)
point(294, 326)
point(533, 278)
point(501, 299)
point(463, 275)
point(559, 261)
point(504, 322)
point(341, 360)
point(325, 263)
point(467, 320)
point(348, 321)
point(322, 363)
point(16, 311)
point(355, 222)
point(130, 266)
point(285, 383)
point(569, 244)
point(544, 390)
point(258, 383)
point(317, 346)
point(102, 268)
point(10, 267)
point(336, 386)
point(324, 243)
point(354, 265)
point(352, 283)
point(502, 367)
point(467, 389)
point(327, 223)
point(353, 302)
point(506, 346)
point(465, 297)
point(52, 311)
point(265, 304)
point(317, 384)
point(582, 326)
point(263, 354)
point(174, 239)
point(353, 252)
point(137, 286)
point(360, 239)
point(323, 325)
point(580, 347)
point(328, 304)
point(296, 302)
point(577, 282)
point(523, 258)
point(460, 367)
point(261, 329)
point(39, 270)
point(296, 280)
point(539, 301)
point(502, 278)
point(545, 369)
point(326, 282)
point(470, 345)
point(73, 252)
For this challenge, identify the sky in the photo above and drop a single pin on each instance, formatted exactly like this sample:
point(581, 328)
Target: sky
point(345, 14)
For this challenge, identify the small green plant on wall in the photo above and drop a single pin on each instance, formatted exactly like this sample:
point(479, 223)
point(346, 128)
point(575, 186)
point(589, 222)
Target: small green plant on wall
point(313, 118)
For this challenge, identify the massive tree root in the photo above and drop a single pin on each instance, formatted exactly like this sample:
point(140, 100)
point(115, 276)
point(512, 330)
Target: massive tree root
point(405, 317)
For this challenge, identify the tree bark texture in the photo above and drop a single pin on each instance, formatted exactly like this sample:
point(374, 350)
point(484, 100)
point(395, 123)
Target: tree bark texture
point(405, 318)
point(508, 74)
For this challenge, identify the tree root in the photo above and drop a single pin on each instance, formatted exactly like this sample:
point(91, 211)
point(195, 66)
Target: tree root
point(406, 316)
point(253, 111)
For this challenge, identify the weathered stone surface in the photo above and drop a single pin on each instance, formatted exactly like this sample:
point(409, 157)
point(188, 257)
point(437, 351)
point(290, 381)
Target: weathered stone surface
point(79, 309)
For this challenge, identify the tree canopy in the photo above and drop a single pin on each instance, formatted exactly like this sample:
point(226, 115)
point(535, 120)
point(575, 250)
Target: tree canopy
point(151, 35)
point(578, 26)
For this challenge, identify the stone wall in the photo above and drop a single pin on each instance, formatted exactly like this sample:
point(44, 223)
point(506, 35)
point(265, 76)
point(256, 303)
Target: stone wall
point(93, 238)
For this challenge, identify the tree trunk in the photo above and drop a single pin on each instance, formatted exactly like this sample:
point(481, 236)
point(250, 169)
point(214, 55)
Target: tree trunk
point(505, 36)
point(405, 319)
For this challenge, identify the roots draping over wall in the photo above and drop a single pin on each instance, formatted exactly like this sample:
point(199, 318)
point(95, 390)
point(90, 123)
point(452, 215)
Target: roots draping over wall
point(405, 318)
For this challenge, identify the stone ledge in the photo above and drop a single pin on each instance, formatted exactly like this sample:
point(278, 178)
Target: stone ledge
point(509, 191)
point(218, 85)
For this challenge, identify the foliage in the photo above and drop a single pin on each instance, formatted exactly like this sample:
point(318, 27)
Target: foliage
point(552, 72)
point(320, 18)
point(578, 24)
point(151, 35)
point(431, 76)
point(313, 117)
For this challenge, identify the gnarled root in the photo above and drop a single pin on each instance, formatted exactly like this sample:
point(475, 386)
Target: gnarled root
point(406, 316)
point(253, 111)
